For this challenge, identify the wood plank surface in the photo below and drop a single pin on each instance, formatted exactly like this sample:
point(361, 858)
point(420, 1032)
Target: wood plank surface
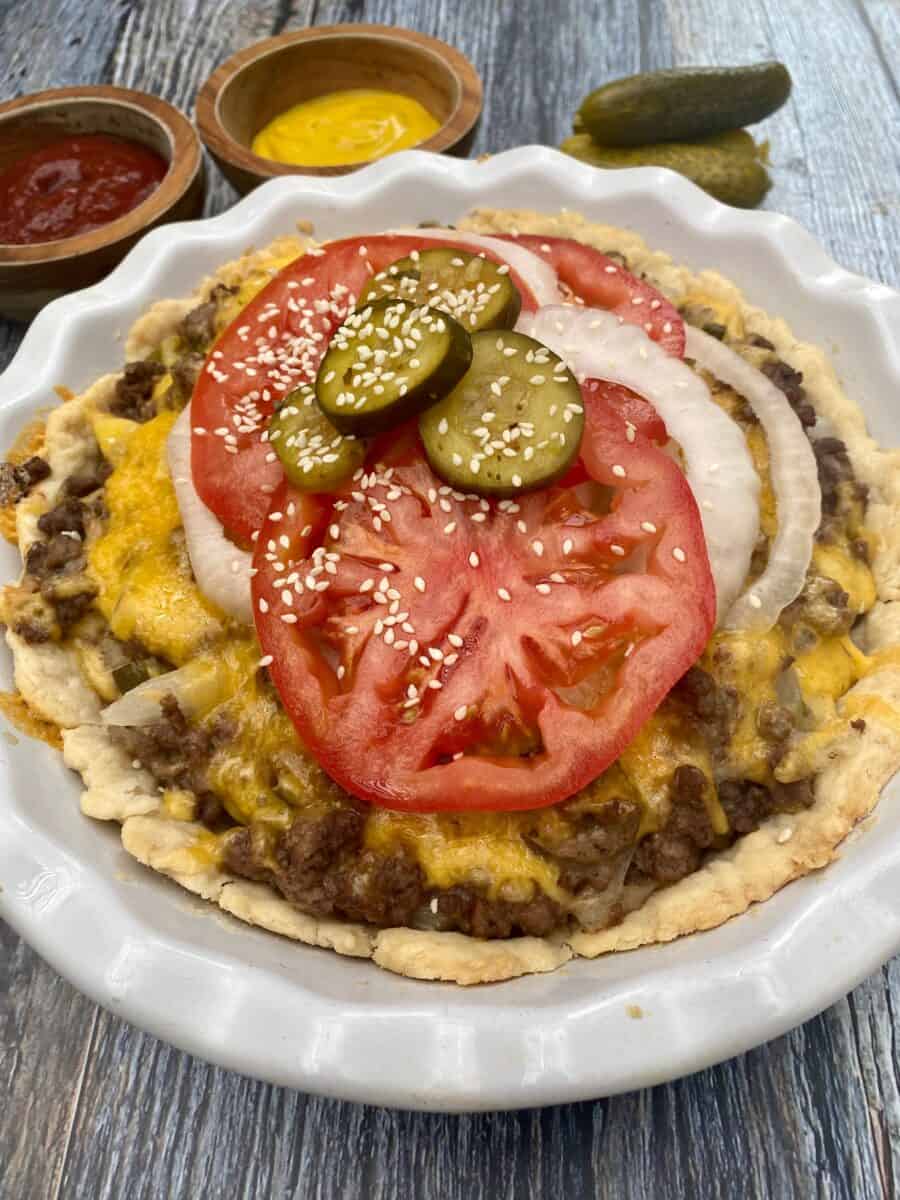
point(91, 1108)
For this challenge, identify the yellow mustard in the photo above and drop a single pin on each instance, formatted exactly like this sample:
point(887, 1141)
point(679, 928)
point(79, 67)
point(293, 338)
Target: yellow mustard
point(351, 126)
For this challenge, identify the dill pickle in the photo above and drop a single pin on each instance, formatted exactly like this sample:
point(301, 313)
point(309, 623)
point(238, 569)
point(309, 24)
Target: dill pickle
point(683, 104)
point(722, 165)
point(513, 422)
point(387, 362)
point(315, 456)
point(471, 288)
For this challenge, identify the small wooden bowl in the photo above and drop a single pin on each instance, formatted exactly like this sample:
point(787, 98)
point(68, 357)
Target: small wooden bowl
point(30, 276)
point(256, 84)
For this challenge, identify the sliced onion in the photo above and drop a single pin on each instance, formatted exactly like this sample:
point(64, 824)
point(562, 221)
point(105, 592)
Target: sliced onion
point(538, 275)
point(221, 569)
point(795, 482)
point(195, 686)
point(717, 462)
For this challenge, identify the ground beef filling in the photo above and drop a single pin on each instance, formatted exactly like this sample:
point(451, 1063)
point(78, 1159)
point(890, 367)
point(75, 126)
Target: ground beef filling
point(56, 591)
point(177, 754)
point(198, 327)
point(320, 865)
point(17, 479)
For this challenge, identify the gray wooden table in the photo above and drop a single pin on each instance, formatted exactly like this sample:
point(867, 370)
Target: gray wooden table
point(90, 1107)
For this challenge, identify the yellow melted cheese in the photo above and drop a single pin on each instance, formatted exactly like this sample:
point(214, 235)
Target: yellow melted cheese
point(146, 590)
point(850, 573)
point(768, 508)
point(479, 848)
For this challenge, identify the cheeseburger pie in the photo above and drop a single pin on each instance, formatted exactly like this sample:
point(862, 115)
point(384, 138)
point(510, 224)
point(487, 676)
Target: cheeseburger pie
point(468, 599)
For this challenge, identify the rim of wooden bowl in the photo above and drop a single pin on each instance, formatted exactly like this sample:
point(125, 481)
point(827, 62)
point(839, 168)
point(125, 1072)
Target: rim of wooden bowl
point(222, 145)
point(185, 162)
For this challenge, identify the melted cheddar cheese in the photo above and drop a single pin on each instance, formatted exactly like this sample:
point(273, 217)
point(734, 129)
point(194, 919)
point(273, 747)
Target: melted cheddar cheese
point(145, 586)
point(478, 848)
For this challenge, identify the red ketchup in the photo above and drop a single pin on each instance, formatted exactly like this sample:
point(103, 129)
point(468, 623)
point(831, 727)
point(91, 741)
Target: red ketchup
point(74, 185)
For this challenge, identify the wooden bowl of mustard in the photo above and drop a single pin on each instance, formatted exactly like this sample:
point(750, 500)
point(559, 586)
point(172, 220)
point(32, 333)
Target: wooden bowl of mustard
point(32, 274)
point(261, 84)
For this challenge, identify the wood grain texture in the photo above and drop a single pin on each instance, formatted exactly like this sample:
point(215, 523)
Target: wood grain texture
point(93, 1108)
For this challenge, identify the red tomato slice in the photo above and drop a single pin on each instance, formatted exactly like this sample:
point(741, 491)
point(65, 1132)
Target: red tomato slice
point(439, 651)
point(598, 281)
point(632, 408)
point(273, 345)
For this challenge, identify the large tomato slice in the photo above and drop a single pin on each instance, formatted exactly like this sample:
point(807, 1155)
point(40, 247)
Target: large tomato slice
point(439, 651)
point(274, 344)
point(598, 281)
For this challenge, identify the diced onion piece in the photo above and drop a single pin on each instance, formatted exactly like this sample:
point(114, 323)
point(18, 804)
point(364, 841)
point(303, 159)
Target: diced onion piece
point(538, 275)
point(795, 482)
point(195, 686)
point(221, 569)
point(597, 345)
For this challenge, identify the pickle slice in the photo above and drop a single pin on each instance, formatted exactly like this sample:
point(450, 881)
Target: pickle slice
point(471, 288)
point(513, 423)
point(315, 456)
point(390, 360)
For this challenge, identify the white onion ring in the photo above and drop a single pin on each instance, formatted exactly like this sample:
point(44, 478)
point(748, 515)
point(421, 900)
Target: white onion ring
point(597, 345)
point(795, 482)
point(221, 569)
point(538, 275)
point(196, 686)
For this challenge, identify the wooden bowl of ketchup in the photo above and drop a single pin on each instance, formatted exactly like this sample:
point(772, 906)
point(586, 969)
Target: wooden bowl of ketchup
point(84, 173)
point(269, 80)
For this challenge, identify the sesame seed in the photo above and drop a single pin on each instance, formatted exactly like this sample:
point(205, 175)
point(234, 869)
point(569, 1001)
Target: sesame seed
point(648, 527)
point(543, 588)
point(454, 639)
point(568, 546)
point(263, 605)
point(576, 637)
point(419, 583)
point(538, 548)
point(266, 660)
point(474, 560)
point(618, 471)
point(460, 714)
point(755, 601)
point(504, 594)
point(679, 555)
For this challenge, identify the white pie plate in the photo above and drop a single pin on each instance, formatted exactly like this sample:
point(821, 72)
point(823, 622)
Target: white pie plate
point(306, 1018)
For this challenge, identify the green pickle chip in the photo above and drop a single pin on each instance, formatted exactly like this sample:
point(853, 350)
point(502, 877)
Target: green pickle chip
point(470, 287)
point(389, 361)
point(513, 423)
point(316, 457)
